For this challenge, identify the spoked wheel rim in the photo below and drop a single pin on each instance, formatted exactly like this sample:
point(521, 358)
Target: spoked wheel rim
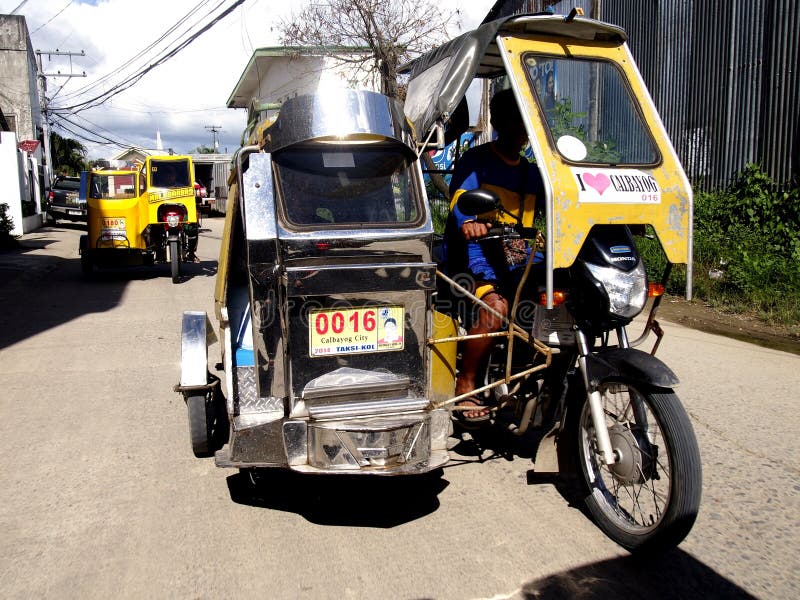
point(634, 493)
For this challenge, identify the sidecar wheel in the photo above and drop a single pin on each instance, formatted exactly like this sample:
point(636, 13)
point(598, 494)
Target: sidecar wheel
point(199, 426)
point(648, 500)
point(87, 268)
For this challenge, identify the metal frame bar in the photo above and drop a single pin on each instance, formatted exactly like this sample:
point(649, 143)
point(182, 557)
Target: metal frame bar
point(512, 330)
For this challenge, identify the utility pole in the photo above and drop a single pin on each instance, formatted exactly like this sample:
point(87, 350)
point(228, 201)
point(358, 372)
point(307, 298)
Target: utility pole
point(214, 129)
point(43, 99)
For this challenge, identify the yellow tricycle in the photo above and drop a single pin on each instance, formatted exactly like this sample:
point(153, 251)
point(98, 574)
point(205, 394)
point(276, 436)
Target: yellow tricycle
point(136, 216)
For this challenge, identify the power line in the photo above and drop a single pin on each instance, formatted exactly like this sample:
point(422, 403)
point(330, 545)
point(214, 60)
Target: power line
point(84, 137)
point(63, 113)
point(66, 6)
point(20, 5)
point(79, 126)
point(133, 79)
point(160, 111)
point(141, 53)
point(108, 131)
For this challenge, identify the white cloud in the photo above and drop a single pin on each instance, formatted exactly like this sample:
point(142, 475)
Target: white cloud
point(185, 94)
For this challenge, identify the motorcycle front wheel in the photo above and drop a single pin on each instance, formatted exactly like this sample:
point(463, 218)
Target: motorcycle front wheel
point(175, 260)
point(648, 500)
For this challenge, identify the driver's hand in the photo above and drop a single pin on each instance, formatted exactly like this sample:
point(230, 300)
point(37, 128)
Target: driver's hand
point(473, 230)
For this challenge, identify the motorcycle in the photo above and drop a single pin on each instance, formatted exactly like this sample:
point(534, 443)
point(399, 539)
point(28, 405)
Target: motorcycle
point(614, 405)
point(172, 211)
point(339, 328)
point(169, 238)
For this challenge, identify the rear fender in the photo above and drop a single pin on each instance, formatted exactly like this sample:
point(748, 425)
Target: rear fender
point(196, 335)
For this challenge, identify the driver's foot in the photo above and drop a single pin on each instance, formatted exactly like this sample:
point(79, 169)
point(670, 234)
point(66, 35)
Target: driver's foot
point(480, 411)
point(464, 386)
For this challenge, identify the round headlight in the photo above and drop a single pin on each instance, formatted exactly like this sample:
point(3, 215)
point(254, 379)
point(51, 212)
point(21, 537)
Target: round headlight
point(626, 291)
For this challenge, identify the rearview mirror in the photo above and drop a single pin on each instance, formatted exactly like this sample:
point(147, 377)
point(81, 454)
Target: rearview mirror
point(476, 202)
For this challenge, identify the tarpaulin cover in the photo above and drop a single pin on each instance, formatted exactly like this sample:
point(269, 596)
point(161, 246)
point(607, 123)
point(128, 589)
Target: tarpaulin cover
point(440, 78)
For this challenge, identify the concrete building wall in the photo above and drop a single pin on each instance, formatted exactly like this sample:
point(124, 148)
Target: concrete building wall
point(11, 179)
point(19, 93)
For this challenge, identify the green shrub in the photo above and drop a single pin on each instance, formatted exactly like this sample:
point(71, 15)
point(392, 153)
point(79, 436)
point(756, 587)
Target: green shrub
point(656, 261)
point(6, 227)
point(748, 236)
point(746, 248)
point(6, 222)
point(440, 208)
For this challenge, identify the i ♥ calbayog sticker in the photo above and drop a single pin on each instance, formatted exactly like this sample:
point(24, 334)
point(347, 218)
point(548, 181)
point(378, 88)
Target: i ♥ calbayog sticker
point(616, 186)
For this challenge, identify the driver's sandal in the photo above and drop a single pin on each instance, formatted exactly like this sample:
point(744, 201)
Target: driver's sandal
point(474, 405)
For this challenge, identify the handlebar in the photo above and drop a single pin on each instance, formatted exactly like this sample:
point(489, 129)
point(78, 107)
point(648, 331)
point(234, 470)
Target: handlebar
point(511, 231)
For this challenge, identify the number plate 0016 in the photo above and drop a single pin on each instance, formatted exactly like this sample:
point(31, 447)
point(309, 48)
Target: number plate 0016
point(355, 330)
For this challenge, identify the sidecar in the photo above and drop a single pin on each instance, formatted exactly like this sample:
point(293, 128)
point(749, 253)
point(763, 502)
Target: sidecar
point(324, 300)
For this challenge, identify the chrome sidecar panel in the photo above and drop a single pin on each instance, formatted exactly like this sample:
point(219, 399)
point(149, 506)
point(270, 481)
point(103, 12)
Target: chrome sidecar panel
point(196, 335)
point(337, 114)
point(381, 445)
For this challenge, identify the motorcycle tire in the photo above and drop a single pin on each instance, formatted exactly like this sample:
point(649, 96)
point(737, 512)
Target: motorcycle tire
point(175, 260)
point(199, 426)
point(648, 501)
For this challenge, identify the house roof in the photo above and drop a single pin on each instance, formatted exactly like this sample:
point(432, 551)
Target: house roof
point(133, 151)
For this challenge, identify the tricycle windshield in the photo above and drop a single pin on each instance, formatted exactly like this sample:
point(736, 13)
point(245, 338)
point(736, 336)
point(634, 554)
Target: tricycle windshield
point(347, 186)
point(589, 111)
point(170, 174)
point(113, 186)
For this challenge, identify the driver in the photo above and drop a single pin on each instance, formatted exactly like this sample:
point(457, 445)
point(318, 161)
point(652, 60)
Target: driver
point(166, 176)
point(497, 166)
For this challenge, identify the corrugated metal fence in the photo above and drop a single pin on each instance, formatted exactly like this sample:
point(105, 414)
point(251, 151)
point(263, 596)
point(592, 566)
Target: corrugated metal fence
point(724, 74)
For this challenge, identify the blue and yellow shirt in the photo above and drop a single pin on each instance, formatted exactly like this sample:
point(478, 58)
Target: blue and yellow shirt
point(517, 183)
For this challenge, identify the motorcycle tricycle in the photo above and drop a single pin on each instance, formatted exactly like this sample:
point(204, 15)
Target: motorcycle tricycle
point(137, 216)
point(340, 330)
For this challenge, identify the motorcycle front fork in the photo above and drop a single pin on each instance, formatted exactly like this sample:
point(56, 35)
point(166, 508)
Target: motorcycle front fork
point(603, 440)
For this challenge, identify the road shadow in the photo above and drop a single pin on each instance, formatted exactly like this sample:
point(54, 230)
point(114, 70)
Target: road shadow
point(42, 292)
point(73, 225)
point(343, 500)
point(20, 248)
point(159, 270)
point(551, 466)
point(493, 442)
point(674, 574)
point(189, 270)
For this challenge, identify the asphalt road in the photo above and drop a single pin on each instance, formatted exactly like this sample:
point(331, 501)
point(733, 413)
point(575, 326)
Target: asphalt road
point(100, 495)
